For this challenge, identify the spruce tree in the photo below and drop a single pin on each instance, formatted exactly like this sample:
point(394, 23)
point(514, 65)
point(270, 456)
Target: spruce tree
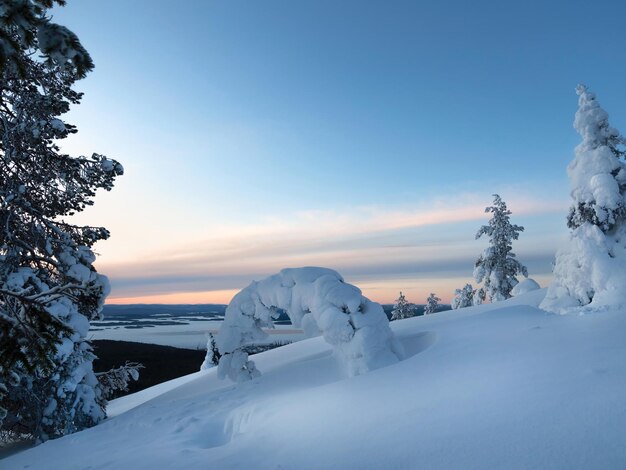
point(432, 304)
point(214, 351)
point(597, 173)
point(591, 267)
point(402, 308)
point(497, 266)
point(463, 297)
point(478, 296)
point(49, 289)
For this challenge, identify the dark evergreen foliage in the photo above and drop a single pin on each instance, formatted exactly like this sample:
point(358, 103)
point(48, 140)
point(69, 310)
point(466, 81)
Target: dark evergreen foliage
point(49, 289)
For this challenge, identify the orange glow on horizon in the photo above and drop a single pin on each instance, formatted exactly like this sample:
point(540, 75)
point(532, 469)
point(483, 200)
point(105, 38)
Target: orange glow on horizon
point(385, 292)
point(206, 297)
point(382, 291)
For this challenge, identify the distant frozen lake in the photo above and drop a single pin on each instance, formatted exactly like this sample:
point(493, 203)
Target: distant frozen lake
point(178, 326)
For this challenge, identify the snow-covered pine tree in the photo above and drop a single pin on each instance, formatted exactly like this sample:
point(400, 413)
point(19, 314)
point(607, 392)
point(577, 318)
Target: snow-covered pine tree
point(591, 267)
point(478, 296)
point(497, 265)
point(214, 351)
point(432, 304)
point(402, 308)
point(463, 297)
point(49, 289)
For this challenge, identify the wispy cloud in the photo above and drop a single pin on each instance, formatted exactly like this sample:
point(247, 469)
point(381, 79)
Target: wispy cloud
point(431, 243)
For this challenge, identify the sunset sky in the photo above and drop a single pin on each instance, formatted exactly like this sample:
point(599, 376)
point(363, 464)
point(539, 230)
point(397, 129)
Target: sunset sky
point(363, 136)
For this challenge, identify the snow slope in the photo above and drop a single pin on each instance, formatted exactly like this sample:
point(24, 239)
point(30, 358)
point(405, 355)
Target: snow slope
point(487, 387)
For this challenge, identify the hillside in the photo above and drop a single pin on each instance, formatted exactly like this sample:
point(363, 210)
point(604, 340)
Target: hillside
point(495, 386)
point(161, 363)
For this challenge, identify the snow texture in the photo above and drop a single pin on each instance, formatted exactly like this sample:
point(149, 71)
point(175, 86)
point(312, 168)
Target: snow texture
point(317, 300)
point(499, 386)
point(527, 285)
point(590, 269)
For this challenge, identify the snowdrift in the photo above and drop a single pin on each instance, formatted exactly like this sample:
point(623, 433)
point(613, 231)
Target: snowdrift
point(489, 387)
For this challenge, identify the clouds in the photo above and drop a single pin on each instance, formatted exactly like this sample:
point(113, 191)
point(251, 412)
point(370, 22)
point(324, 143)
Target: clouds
point(301, 138)
point(420, 249)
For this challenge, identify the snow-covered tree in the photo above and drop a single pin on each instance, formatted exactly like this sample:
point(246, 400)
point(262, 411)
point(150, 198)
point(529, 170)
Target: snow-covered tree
point(432, 304)
point(497, 266)
point(318, 301)
point(49, 289)
point(402, 308)
point(212, 351)
point(591, 267)
point(478, 296)
point(463, 297)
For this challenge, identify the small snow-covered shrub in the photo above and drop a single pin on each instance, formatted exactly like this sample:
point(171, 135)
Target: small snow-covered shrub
point(259, 348)
point(467, 297)
point(213, 353)
point(402, 308)
point(118, 379)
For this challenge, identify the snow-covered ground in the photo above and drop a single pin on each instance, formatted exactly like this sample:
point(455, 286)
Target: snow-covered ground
point(489, 387)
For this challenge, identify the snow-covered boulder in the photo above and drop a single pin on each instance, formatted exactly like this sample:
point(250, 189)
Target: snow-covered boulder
point(527, 285)
point(317, 300)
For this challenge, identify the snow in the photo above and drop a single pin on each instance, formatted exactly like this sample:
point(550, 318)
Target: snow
point(463, 297)
point(590, 171)
point(590, 269)
point(525, 286)
point(318, 297)
point(128, 402)
point(60, 44)
point(57, 125)
point(502, 385)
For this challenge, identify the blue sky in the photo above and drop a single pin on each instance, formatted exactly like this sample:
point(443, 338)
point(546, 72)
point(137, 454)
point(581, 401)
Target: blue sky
point(364, 136)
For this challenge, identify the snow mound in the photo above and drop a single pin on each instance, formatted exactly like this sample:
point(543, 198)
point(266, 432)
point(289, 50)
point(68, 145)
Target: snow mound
point(417, 343)
point(317, 300)
point(589, 273)
point(525, 286)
